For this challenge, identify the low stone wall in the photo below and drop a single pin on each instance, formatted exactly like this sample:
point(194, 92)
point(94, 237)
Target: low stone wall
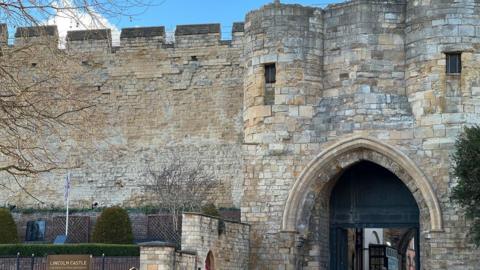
point(145, 227)
point(163, 256)
point(226, 241)
point(157, 256)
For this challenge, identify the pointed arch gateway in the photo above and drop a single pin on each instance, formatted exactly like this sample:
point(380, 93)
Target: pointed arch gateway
point(325, 168)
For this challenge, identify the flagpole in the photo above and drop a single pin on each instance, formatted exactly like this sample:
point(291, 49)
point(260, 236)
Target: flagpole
point(66, 222)
point(67, 199)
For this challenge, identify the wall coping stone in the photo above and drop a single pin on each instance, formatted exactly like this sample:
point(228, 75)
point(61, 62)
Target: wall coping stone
point(96, 34)
point(238, 27)
point(157, 244)
point(136, 32)
point(188, 252)
point(217, 218)
point(197, 29)
point(36, 31)
point(3, 34)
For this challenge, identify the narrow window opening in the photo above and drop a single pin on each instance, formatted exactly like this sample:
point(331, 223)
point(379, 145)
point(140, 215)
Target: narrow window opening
point(194, 58)
point(34, 64)
point(270, 78)
point(454, 63)
point(270, 73)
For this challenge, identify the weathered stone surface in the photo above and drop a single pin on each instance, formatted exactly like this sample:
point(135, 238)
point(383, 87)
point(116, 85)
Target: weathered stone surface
point(36, 31)
point(227, 241)
point(142, 32)
point(153, 100)
point(350, 73)
point(81, 35)
point(368, 69)
point(197, 29)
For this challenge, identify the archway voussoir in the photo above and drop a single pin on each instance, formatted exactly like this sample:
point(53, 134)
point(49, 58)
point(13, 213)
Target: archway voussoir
point(329, 163)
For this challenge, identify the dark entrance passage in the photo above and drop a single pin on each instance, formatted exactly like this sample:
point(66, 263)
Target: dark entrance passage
point(374, 221)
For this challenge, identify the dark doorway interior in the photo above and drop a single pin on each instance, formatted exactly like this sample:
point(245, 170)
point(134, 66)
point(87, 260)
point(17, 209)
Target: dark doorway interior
point(209, 262)
point(374, 221)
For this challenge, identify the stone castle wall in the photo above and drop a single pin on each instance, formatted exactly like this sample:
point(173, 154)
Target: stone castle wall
point(361, 80)
point(366, 76)
point(227, 243)
point(155, 100)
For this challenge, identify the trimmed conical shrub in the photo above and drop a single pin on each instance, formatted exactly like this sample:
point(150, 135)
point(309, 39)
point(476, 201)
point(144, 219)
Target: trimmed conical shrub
point(211, 210)
point(8, 229)
point(113, 227)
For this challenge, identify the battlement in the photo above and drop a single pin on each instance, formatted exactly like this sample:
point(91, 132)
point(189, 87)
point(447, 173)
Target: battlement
point(199, 34)
point(143, 32)
point(45, 34)
point(81, 35)
point(3, 34)
point(36, 31)
point(197, 29)
point(89, 40)
point(192, 35)
point(238, 27)
point(185, 36)
point(142, 37)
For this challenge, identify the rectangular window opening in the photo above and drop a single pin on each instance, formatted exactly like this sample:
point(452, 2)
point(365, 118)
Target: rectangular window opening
point(454, 63)
point(270, 73)
point(35, 230)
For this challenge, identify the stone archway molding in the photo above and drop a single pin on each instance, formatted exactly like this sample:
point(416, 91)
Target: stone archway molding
point(298, 194)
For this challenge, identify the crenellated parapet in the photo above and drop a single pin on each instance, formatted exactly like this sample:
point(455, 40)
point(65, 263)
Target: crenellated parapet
point(142, 37)
point(36, 31)
point(3, 34)
point(89, 40)
point(199, 34)
point(37, 34)
point(100, 40)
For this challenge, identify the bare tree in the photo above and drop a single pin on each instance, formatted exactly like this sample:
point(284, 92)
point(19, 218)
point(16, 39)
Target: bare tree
point(180, 186)
point(37, 12)
point(44, 100)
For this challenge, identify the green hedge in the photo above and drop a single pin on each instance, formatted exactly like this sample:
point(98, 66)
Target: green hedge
point(46, 249)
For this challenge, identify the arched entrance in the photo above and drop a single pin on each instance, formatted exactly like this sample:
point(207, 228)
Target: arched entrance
point(307, 211)
point(369, 199)
point(328, 164)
